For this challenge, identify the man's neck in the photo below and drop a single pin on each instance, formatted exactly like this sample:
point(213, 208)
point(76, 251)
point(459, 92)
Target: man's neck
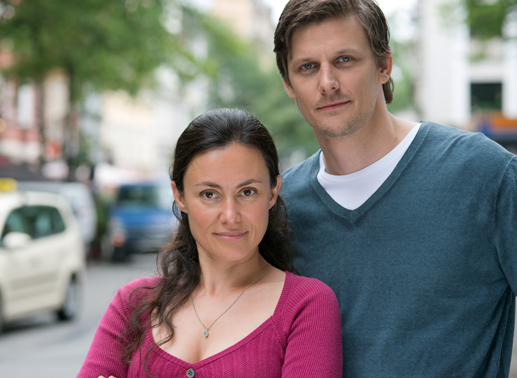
point(371, 143)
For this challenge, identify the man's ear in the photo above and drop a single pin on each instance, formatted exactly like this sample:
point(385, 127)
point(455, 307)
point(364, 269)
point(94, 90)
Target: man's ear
point(289, 89)
point(178, 198)
point(385, 70)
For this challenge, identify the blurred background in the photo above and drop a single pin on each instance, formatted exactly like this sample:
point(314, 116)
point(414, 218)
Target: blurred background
point(94, 94)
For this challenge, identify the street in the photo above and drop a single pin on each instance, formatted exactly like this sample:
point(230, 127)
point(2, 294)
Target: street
point(44, 348)
point(40, 347)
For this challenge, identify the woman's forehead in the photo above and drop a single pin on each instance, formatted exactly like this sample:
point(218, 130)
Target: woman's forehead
point(234, 163)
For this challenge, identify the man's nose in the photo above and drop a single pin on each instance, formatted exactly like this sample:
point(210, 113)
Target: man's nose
point(328, 80)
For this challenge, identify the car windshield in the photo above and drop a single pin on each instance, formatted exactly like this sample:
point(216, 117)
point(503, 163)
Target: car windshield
point(145, 196)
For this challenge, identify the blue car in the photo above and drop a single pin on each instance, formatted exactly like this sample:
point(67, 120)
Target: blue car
point(140, 221)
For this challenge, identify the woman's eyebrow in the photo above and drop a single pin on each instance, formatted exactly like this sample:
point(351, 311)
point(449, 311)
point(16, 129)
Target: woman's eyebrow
point(250, 181)
point(217, 186)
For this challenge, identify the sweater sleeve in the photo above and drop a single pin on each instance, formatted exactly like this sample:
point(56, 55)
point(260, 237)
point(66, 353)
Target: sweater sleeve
point(505, 225)
point(104, 356)
point(312, 322)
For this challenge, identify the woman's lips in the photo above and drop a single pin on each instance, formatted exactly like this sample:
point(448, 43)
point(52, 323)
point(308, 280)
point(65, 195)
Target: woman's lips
point(231, 236)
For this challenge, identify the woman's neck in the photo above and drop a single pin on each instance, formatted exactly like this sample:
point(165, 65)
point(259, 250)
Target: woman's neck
point(224, 278)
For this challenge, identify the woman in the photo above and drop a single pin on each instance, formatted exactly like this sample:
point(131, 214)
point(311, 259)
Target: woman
point(227, 303)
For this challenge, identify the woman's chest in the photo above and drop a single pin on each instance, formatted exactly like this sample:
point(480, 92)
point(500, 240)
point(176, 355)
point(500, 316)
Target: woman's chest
point(258, 355)
point(204, 329)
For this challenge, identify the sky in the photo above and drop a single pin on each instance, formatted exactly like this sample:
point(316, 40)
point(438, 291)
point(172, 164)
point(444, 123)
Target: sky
point(402, 29)
point(388, 6)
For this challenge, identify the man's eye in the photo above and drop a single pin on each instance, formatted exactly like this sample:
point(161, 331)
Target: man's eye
point(307, 66)
point(345, 59)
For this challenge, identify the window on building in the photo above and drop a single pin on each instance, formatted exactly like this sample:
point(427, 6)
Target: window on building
point(486, 96)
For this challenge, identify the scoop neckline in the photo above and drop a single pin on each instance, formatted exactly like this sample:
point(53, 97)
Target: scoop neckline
point(247, 339)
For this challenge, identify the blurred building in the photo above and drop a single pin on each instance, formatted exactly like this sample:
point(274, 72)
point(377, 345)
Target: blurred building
point(462, 81)
point(21, 106)
point(250, 19)
point(140, 133)
point(129, 138)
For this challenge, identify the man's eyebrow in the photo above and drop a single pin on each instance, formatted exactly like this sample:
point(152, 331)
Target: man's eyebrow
point(347, 50)
point(308, 59)
point(217, 186)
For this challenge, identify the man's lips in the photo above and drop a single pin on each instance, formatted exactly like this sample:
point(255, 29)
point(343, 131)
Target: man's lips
point(231, 235)
point(332, 105)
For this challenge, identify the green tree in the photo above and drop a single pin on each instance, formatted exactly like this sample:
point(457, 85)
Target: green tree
point(486, 18)
point(402, 73)
point(242, 76)
point(108, 44)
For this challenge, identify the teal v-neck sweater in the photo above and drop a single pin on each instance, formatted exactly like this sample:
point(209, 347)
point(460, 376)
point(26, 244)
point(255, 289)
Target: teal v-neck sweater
point(425, 270)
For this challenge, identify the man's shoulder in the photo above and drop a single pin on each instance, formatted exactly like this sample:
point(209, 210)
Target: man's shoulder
point(298, 177)
point(457, 142)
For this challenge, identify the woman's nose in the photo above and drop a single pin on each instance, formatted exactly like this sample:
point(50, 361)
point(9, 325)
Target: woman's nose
point(230, 212)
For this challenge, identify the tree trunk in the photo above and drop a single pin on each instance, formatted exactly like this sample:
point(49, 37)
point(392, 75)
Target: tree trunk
point(71, 134)
point(40, 115)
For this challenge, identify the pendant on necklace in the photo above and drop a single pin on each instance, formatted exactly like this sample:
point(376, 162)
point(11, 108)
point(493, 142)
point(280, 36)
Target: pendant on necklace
point(206, 333)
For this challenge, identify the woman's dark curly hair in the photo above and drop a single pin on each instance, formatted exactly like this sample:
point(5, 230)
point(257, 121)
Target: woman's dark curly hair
point(178, 259)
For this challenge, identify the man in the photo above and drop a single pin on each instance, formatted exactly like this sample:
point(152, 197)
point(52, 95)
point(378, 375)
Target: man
point(414, 226)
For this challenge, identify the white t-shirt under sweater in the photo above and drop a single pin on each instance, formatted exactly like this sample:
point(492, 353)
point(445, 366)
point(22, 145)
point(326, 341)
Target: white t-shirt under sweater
point(351, 191)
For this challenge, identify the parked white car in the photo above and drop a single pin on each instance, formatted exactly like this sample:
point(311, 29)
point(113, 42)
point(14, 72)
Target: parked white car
point(80, 199)
point(42, 260)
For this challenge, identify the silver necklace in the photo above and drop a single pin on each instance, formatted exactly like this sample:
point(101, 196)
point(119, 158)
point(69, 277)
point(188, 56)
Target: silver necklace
point(242, 292)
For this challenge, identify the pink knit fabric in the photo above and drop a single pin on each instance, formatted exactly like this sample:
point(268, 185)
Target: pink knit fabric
point(301, 339)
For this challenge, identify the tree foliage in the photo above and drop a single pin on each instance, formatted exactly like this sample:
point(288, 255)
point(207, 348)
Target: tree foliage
point(107, 44)
point(110, 44)
point(402, 73)
point(486, 17)
point(245, 77)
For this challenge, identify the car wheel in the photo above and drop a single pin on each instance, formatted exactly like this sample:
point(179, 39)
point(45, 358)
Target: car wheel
point(120, 255)
point(72, 303)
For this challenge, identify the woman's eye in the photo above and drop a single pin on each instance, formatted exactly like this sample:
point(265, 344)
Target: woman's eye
point(248, 192)
point(208, 195)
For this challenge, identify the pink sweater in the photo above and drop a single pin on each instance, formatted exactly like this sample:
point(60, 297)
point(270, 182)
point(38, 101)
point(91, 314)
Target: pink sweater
point(301, 339)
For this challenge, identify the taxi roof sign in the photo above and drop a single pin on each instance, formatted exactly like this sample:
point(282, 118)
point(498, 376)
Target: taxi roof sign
point(8, 185)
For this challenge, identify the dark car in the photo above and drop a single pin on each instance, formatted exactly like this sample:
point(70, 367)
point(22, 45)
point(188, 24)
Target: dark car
point(141, 220)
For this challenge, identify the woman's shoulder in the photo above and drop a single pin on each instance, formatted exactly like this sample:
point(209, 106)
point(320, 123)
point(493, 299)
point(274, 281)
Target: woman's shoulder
point(141, 282)
point(138, 287)
point(307, 306)
point(307, 286)
point(303, 296)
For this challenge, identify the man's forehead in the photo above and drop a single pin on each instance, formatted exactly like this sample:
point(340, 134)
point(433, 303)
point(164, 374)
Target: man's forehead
point(345, 34)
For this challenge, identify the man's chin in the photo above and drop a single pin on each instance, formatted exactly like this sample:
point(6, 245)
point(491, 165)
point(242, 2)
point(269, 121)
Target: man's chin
point(337, 131)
